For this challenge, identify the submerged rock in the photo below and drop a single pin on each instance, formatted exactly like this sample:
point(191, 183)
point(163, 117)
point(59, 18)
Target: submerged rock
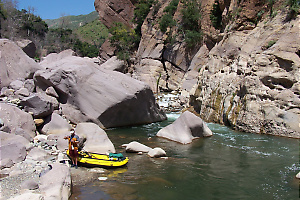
point(135, 147)
point(157, 152)
point(185, 129)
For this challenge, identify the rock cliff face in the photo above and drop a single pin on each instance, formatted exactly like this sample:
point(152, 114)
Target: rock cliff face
point(245, 75)
point(111, 11)
point(251, 79)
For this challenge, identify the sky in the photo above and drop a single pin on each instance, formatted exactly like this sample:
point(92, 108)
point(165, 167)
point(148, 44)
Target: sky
point(53, 9)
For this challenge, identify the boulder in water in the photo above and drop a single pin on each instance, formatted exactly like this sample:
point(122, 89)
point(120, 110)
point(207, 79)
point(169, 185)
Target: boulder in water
point(157, 152)
point(135, 147)
point(186, 128)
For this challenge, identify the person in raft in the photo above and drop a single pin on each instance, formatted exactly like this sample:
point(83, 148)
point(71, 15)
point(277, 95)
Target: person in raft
point(73, 147)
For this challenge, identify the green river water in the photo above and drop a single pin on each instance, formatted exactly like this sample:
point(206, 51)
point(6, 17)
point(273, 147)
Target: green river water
point(228, 165)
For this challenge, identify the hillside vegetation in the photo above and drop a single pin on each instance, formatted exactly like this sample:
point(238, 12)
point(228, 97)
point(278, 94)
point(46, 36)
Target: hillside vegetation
point(72, 21)
point(84, 34)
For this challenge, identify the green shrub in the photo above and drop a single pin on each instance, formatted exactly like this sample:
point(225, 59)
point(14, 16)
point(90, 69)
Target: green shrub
point(294, 5)
point(167, 19)
point(165, 22)
point(172, 7)
point(125, 40)
point(85, 49)
point(271, 43)
point(192, 38)
point(142, 8)
point(191, 26)
point(216, 15)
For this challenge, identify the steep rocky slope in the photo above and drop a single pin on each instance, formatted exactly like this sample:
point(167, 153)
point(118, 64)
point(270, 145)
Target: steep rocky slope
point(250, 85)
point(244, 74)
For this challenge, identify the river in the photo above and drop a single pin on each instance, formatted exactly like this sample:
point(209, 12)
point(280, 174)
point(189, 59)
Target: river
point(228, 165)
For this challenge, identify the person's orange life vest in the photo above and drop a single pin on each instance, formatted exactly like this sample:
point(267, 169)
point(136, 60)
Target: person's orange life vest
point(72, 145)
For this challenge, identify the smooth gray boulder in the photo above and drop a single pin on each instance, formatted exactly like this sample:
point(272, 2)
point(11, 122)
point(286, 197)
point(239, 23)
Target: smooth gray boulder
point(12, 147)
point(157, 152)
point(40, 104)
point(185, 129)
point(55, 124)
point(15, 119)
point(135, 147)
point(105, 97)
point(37, 154)
point(14, 63)
point(96, 138)
point(56, 183)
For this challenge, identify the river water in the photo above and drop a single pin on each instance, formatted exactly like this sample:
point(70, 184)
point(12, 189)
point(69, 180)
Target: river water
point(228, 165)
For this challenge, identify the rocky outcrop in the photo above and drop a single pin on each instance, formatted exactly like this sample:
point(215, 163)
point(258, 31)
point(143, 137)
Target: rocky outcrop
point(112, 11)
point(14, 63)
point(251, 79)
point(106, 97)
point(185, 129)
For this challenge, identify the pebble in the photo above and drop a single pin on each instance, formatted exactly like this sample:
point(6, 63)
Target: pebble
point(102, 178)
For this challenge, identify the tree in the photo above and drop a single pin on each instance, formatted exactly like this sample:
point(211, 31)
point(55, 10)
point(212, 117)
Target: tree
point(216, 15)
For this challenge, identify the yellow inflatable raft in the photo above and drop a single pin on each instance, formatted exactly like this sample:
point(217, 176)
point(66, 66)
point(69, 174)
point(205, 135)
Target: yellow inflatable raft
point(101, 160)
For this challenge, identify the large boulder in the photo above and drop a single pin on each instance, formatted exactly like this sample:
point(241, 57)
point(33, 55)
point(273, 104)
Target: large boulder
point(28, 47)
point(40, 104)
point(96, 138)
point(56, 183)
point(15, 119)
point(185, 129)
point(14, 63)
point(106, 97)
point(55, 124)
point(12, 147)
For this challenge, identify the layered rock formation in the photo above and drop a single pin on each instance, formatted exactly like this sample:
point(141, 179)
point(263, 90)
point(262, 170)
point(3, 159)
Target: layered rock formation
point(251, 79)
point(112, 11)
point(245, 75)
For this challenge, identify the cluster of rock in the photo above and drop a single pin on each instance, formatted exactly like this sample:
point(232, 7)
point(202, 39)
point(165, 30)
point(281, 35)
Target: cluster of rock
point(136, 147)
point(41, 102)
